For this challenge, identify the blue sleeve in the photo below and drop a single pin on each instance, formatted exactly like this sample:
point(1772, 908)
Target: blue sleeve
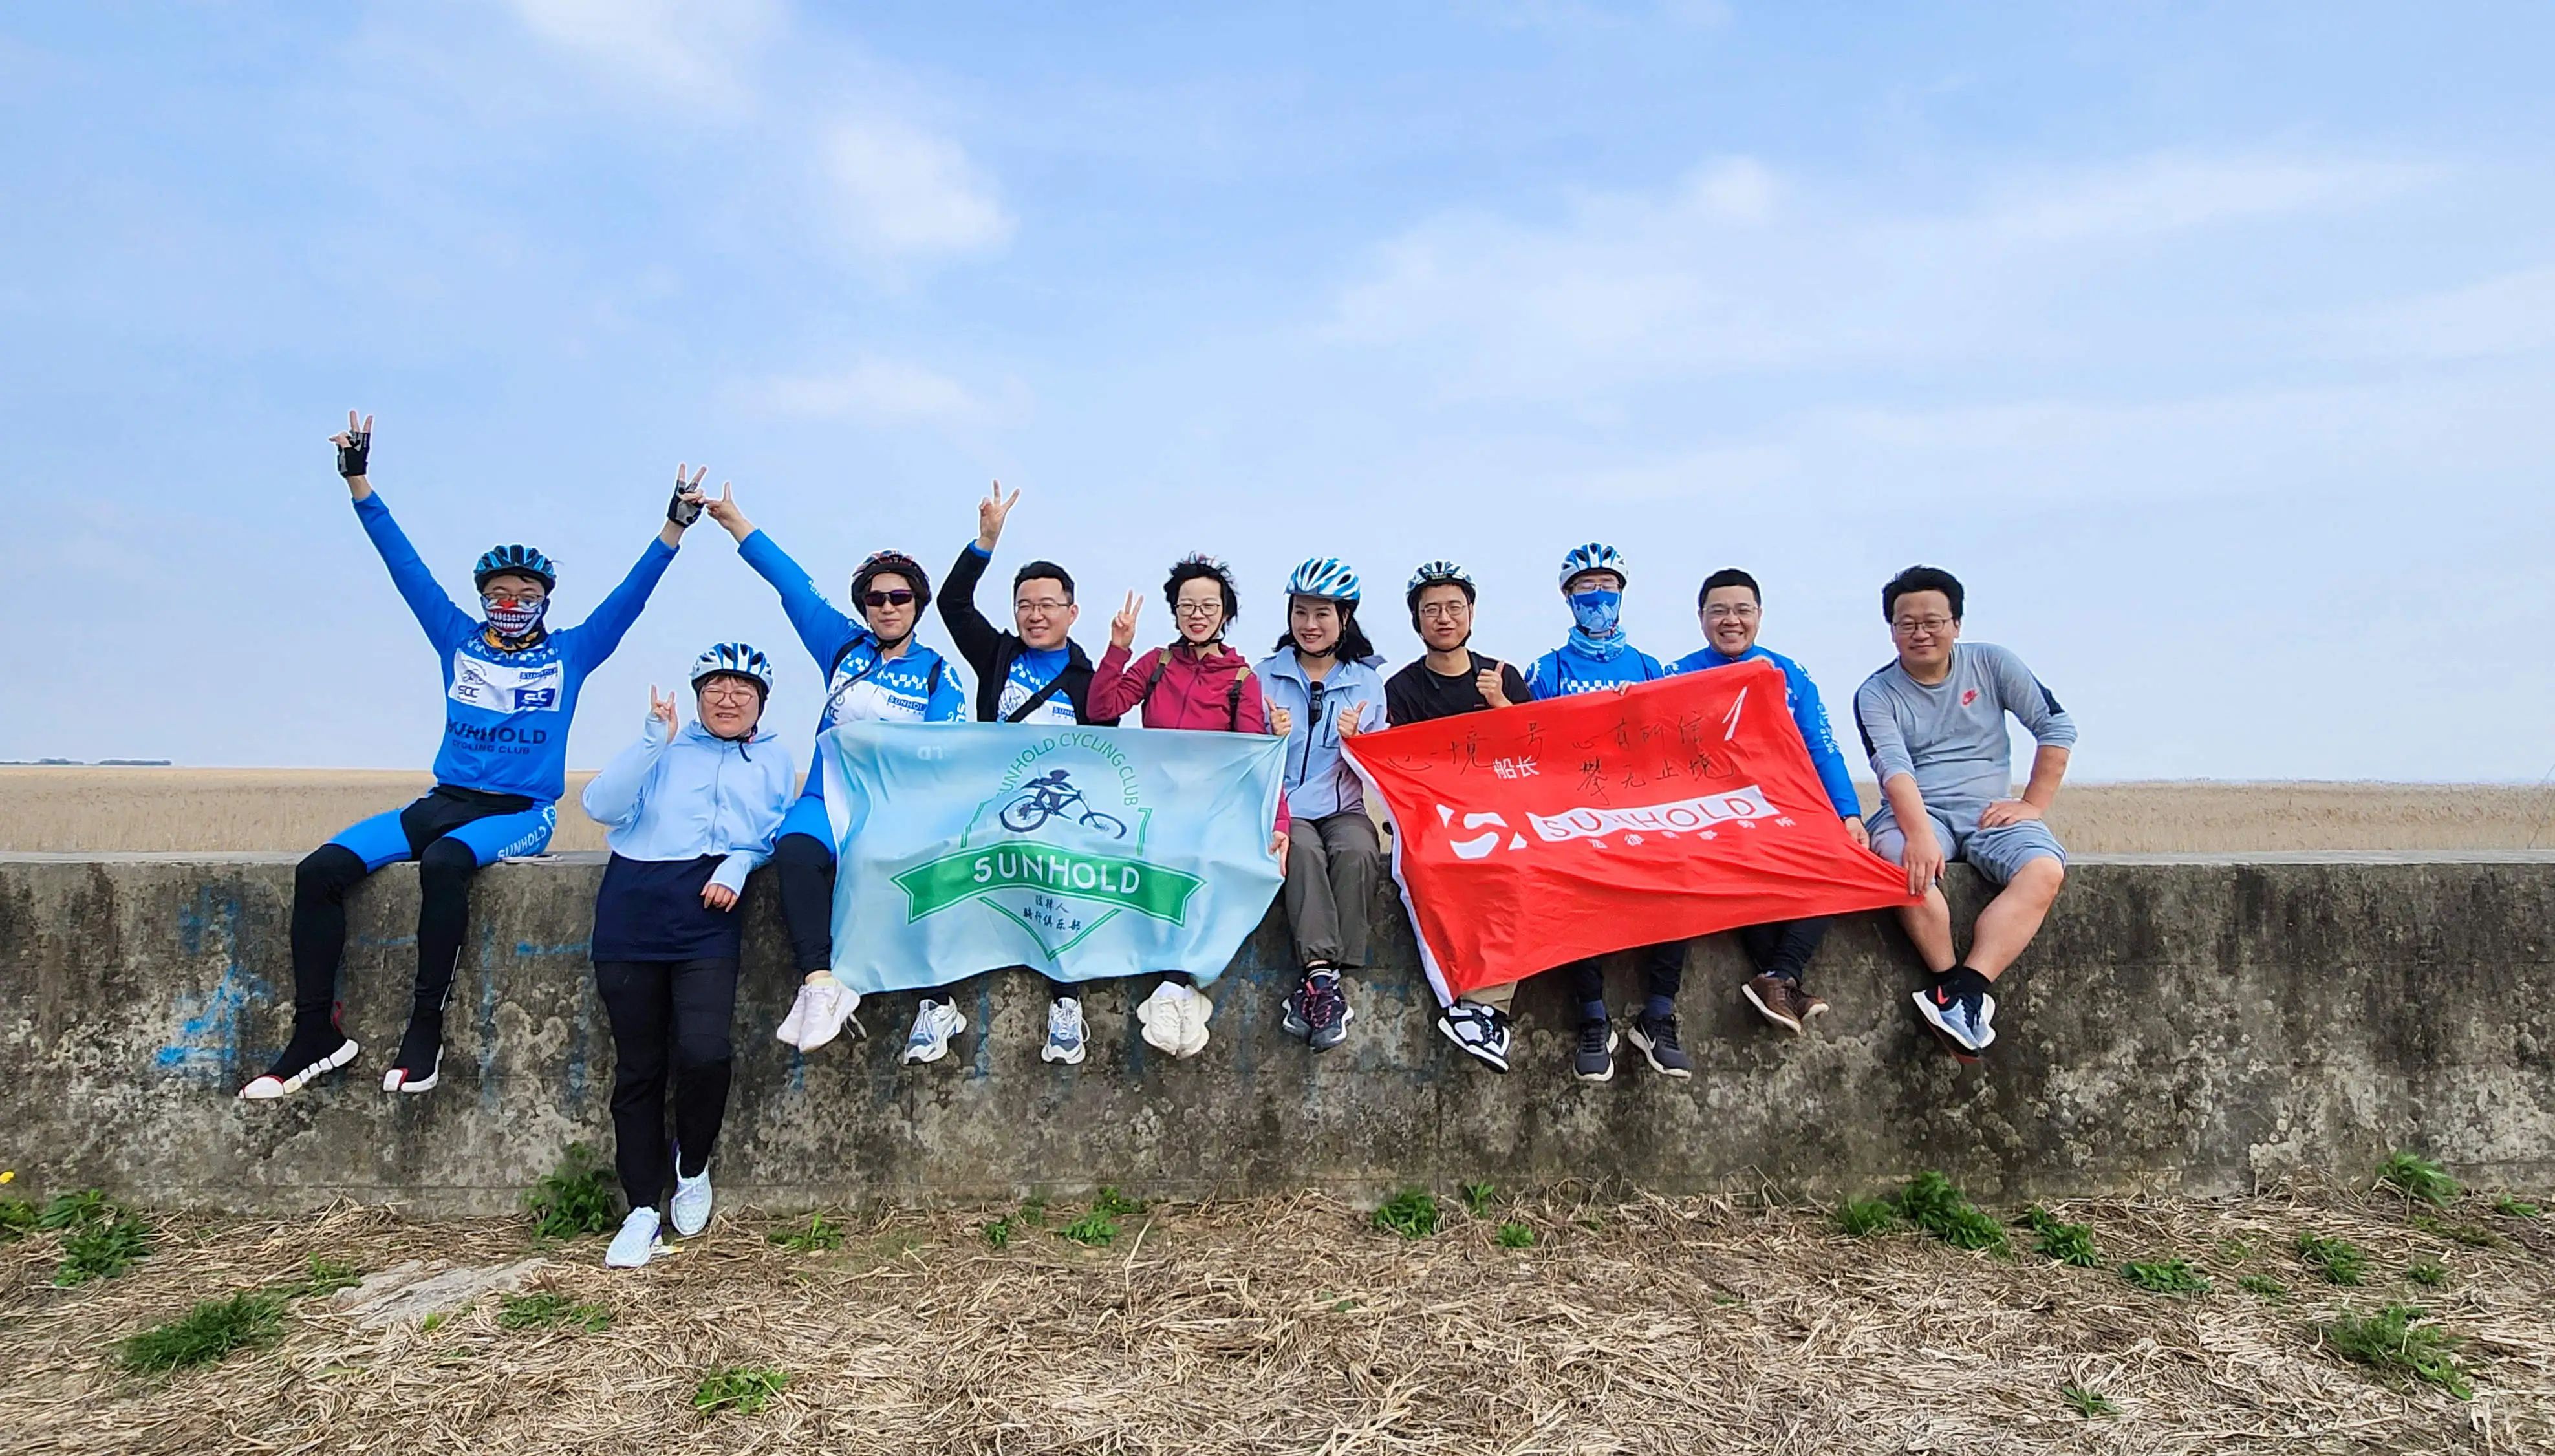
point(612, 797)
point(822, 628)
point(778, 777)
point(592, 639)
point(1541, 679)
point(949, 700)
point(444, 622)
point(1811, 716)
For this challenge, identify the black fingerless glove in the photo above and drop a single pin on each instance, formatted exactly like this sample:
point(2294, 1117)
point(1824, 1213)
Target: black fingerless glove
point(679, 511)
point(355, 453)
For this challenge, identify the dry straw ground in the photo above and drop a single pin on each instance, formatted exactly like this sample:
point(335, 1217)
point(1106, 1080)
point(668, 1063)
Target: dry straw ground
point(1651, 1326)
point(289, 810)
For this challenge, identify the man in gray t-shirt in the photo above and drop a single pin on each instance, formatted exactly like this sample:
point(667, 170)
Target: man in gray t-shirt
point(1933, 724)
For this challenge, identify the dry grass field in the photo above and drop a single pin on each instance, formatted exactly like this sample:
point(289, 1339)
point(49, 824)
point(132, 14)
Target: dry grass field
point(1546, 1325)
point(80, 809)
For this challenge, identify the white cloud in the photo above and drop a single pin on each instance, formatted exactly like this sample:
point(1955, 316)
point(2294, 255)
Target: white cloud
point(699, 52)
point(878, 391)
point(2510, 314)
point(901, 193)
point(2170, 192)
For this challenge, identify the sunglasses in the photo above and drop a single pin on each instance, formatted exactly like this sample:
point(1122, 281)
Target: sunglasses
point(899, 597)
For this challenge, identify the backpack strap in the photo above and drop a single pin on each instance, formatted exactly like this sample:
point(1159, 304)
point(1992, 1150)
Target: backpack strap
point(1233, 699)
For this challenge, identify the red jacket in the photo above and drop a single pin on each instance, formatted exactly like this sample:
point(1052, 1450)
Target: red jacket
point(1180, 686)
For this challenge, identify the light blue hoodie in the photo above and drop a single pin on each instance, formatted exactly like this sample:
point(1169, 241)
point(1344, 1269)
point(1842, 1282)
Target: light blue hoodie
point(695, 795)
point(1319, 781)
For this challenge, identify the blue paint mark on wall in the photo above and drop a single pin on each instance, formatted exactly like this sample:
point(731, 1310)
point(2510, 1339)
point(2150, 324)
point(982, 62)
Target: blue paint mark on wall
point(206, 1044)
point(983, 1066)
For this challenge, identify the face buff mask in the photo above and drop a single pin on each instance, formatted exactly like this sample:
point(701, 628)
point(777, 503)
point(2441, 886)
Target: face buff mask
point(513, 621)
point(1594, 615)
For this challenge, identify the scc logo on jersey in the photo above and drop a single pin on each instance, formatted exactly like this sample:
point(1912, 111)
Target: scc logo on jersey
point(502, 688)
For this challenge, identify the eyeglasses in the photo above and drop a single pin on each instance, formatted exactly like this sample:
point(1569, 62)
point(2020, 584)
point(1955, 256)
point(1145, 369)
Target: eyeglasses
point(1043, 604)
point(529, 597)
point(1919, 626)
point(895, 597)
point(1725, 612)
point(729, 693)
point(1198, 609)
point(1445, 611)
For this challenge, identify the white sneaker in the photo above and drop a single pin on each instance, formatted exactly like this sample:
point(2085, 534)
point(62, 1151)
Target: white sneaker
point(1066, 1033)
point(934, 1023)
point(690, 1205)
point(1174, 1018)
point(278, 1084)
point(818, 1015)
point(637, 1243)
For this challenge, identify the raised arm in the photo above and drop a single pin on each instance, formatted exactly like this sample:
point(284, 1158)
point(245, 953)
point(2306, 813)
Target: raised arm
point(1116, 687)
point(444, 622)
point(613, 797)
point(823, 626)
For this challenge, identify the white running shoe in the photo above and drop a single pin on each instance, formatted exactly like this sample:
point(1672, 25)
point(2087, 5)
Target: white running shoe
point(1174, 1018)
point(1066, 1035)
point(690, 1205)
point(269, 1087)
point(819, 1014)
point(934, 1023)
point(1194, 1011)
point(637, 1243)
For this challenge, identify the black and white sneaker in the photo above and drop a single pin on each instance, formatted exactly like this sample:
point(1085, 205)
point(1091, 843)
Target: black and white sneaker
point(1482, 1031)
point(311, 1055)
point(421, 1056)
point(1593, 1059)
point(1656, 1037)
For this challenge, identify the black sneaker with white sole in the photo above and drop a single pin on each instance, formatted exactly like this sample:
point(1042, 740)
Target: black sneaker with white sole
point(314, 1052)
point(420, 1056)
point(1656, 1037)
point(1480, 1030)
point(1593, 1059)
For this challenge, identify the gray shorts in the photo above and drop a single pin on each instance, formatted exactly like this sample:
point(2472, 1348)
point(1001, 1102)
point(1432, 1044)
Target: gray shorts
point(1998, 853)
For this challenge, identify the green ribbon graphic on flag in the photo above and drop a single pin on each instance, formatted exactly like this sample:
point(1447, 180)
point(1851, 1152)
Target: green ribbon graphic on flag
point(1147, 890)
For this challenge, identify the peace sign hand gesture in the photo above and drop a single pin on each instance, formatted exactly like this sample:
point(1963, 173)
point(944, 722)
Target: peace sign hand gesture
point(991, 512)
point(1121, 628)
point(685, 507)
point(662, 711)
point(354, 446)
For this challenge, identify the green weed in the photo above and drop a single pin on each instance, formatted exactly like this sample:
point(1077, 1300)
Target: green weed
point(1934, 1204)
point(2471, 1234)
point(2263, 1285)
point(17, 1218)
point(1110, 1203)
point(322, 1276)
point(77, 1211)
point(1412, 1213)
point(1861, 1218)
point(2340, 1260)
point(204, 1334)
point(2417, 1176)
point(2430, 1274)
point(2070, 1243)
point(745, 1389)
point(2389, 1341)
point(1515, 1236)
point(574, 1200)
point(2088, 1402)
point(2509, 1207)
point(1034, 1210)
point(998, 1231)
point(1477, 1198)
point(816, 1236)
point(1094, 1229)
point(541, 1311)
point(2165, 1276)
point(102, 1250)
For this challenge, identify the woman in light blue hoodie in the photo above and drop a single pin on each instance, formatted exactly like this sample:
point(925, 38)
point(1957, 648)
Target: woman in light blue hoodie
point(1322, 687)
point(692, 812)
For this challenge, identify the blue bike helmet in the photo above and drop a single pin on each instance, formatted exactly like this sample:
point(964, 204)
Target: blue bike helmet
point(734, 660)
point(1325, 576)
point(1594, 557)
point(522, 560)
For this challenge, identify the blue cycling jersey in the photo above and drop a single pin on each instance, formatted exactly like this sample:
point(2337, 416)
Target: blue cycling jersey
point(1565, 670)
point(1801, 698)
point(506, 714)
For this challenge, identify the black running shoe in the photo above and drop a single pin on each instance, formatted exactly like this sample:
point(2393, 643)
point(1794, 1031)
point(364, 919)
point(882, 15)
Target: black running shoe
point(314, 1052)
point(1326, 1010)
point(1593, 1060)
point(1657, 1039)
point(420, 1056)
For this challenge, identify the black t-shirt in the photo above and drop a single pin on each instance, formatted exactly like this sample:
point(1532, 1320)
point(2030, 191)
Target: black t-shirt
point(1414, 694)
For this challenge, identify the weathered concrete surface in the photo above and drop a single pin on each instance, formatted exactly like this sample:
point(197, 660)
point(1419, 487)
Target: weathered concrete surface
point(2184, 1024)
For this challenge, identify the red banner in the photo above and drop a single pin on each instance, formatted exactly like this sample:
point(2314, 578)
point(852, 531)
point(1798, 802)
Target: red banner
point(1530, 836)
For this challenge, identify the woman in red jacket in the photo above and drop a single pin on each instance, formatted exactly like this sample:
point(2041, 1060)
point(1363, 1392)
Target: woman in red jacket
point(1195, 682)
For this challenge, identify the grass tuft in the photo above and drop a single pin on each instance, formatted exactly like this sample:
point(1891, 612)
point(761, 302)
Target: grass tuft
point(1515, 1236)
point(1412, 1213)
point(2339, 1260)
point(1110, 1203)
point(2389, 1341)
point(2417, 1176)
point(2088, 1402)
point(1933, 1203)
point(204, 1334)
point(2165, 1276)
point(998, 1231)
point(2430, 1274)
point(816, 1236)
point(1094, 1230)
point(1477, 1198)
point(541, 1311)
point(2471, 1234)
point(2509, 1207)
point(17, 1218)
point(2069, 1243)
point(744, 1388)
point(2263, 1285)
point(322, 1276)
point(574, 1200)
point(102, 1250)
point(77, 1211)
point(1861, 1218)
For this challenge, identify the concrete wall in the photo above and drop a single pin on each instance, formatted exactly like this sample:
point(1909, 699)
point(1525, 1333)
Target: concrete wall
point(2191, 1025)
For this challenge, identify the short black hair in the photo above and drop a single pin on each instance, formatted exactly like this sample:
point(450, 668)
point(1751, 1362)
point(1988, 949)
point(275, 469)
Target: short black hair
point(1729, 576)
point(1198, 570)
point(1047, 569)
point(1410, 598)
point(1920, 578)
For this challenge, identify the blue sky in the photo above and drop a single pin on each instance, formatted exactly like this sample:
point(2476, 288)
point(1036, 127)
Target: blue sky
point(2213, 346)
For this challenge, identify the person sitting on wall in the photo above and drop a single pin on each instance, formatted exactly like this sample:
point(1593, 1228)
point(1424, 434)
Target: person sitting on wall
point(1035, 674)
point(509, 689)
point(692, 809)
point(1934, 724)
point(1730, 611)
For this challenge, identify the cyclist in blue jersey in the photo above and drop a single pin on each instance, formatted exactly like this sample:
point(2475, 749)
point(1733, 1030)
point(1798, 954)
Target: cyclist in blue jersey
point(1035, 674)
point(1598, 657)
point(1731, 609)
point(875, 671)
point(509, 688)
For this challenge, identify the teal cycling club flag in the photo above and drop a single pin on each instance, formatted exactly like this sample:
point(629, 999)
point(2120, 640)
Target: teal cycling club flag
point(1080, 852)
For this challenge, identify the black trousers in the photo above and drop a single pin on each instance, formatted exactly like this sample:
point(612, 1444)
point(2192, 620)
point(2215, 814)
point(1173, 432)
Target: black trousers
point(669, 1023)
point(1784, 948)
point(1662, 973)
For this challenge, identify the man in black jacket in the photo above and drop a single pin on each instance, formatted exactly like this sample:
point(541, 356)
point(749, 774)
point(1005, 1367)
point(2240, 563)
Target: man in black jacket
point(1036, 674)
